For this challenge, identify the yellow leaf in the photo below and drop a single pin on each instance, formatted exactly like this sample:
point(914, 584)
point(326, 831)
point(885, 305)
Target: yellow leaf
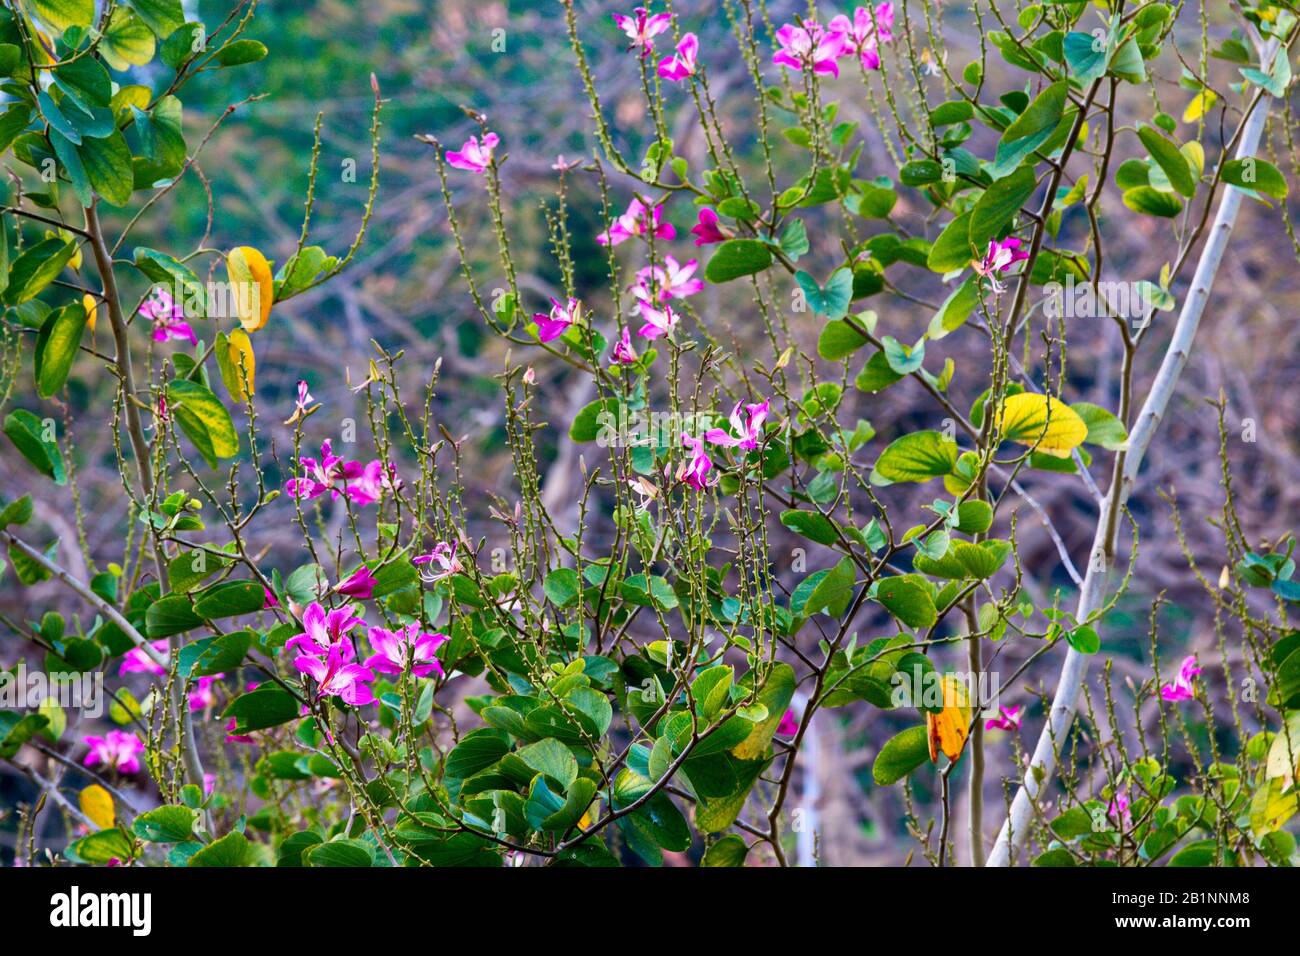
point(1195, 154)
point(948, 730)
point(1284, 754)
point(237, 364)
point(97, 805)
point(1044, 424)
point(1199, 106)
point(254, 287)
point(90, 304)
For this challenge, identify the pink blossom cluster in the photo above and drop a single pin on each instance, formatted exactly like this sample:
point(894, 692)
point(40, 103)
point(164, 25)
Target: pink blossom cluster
point(363, 484)
point(810, 45)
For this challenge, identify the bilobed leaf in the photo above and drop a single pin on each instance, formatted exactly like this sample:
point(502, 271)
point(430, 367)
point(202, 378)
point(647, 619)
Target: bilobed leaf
point(254, 286)
point(919, 456)
point(1170, 159)
point(1047, 425)
point(261, 708)
point(1104, 428)
point(737, 257)
point(56, 348)
point(1255, 174)
point(127, 41)
point(833, 299)
point(839, 339)
point(168, 824)
point(908, 599)
point(58, 15)
point(203, 419)
point(164, 17)
point(1152, 202)
point(947, 730)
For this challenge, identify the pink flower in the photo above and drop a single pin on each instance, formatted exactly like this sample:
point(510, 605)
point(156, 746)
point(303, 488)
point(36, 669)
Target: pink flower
point(695, 470)
point(1000, 257)
point(671, 281)
point(116, 750)
point(270, 600)
point(642, 27)
point(320, 476)
point(300, 405)
point(745, 433)
point(167, 318)
point(624, 354)
point(138, 661)
point(360, 584)
point(561, 317)
point(444, 556)
point(868, 29)
point(1181, 689)
point(639, 220)
point(812, 45)
point(1119, 809)
point(789, 725)
point(474, 156)
point(234, 738)
point(658, 322)
point(203, 696)
point(1008, 718)
point(369, 486)
point(209, 783)
point(392, 649)
point(682, 63)
point(337, 676)
point(709, 229)
point(323, 629)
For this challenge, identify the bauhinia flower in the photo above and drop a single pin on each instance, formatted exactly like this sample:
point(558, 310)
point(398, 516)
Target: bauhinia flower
point(337, 676)
point(323, 474)
point(624, 354)
point(694, 471)
point(167, 317)
point(444, 556)
point(369, 486)
point(642, 27)
point(1119, 808)
point(393, 649)
point(300, 404)
point(639, 220)
point(1008, 718)
point(203, 696)
point(810, 46)
point(682, 63)
point(1000, 257)
point(789, 725)
point(658, 322)
point(562, 315)
point(863, 34)
point(672, 280)
point(360, 584)
point(116, 750)
point(138, 661)
point(1182, 689)
point(474, 156)
point(709, 229)
point(746, 432)
point(322, 629)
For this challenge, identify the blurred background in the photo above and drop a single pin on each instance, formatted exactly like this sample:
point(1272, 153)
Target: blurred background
point(512, 61)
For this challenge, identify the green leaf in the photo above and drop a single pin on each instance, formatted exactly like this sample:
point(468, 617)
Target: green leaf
point(183, 44)
point(16, 512)
point(794, 240)
point(59, 15)
point(230, 599)
point(86, 81)
point(1149, 201)
point(476, 751)
point(831, 301)
point(952, 250)
point(829, 590)
point(240, 52)
point(108, 167)
point(231, 850)
point(737, 257)
point(1031, 129)
point(562, 587)
point(353, 853)
point(918, 457)
point(162, 269)
point(169, 615)
point(1086, 56)
point(730, 850)
point(998, 206)
point(262, 708)
point(168, 824)
point(100, 848)
point(164, 17)
point(1084, 639)
point(1170, 159)
point(552, 758)
point(908, 598)
point(37, 267)
point(56, 348)
point(127, 41)
point(593, 419)
point(29, 435)
point(1104, 428)
point(203, 419)
point(811, 524)
point(839, 339)
point(900, 755)
point(1257, 175)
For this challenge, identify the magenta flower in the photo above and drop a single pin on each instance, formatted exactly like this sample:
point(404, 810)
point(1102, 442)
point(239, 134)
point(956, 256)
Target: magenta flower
point(682, 63)
point(203, 696)
point(1000, 257)
point(369, 486)
point(209, 783)
point(167, 318)
point(444, 556)
point(789, 725)
point(1181, 689)
point(1119, 809)
point(337, 676)
point(639, 220)
point(745, 433)
point(270, 600)
point(320, 476)
point(116, 750)
point(642, 27)
point(624, 354)
point(393, 648)
point(360, 584)
point(300, 405)
point(709, 229)
point(474, 156)
point(322, 629)
point(1008, 718)
point(138, 661)
point(811, 46)
point(563, 315)
point(671, 281)
point(868, 29)
point(658, 322)
point(234, 738)
point(695, 470)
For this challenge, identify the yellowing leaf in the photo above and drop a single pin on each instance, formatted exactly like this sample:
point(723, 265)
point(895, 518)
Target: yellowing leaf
point(97, 805)
point(1199, 106)
point(253, 286)
point(90, 304)
point(1284, 754)
point(1044, 424)
point(237, 363)
point(947, 731)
